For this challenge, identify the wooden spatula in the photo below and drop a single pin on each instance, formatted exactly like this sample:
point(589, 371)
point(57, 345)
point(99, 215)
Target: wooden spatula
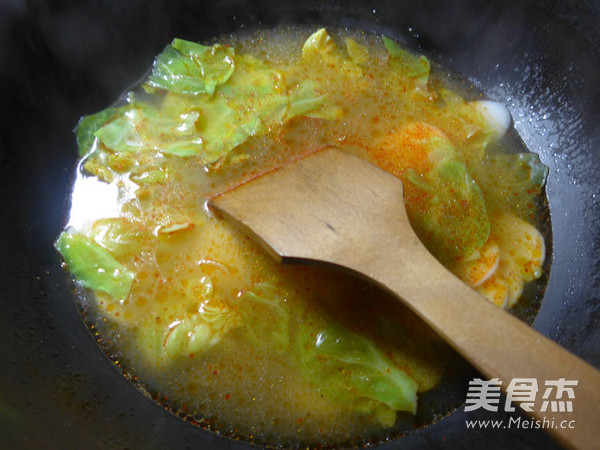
point(336, 209)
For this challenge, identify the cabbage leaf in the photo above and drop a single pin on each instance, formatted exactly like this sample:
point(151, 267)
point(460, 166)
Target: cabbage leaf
point(85, 131)
point(189, 68)
point(351, 368)
point(265, 314)
point(94, 266)
point(445, 204)
point(511, 181)
point(357, 52)
point(342, 364)
point(120, 236)
point(304, 100)
point(407, 64)
point(319, 43)
point(452, 219)
point(145, 127)
point(195, 325)
point(250, 99)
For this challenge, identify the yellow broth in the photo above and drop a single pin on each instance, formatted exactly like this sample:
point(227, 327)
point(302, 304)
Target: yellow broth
point(199, 329)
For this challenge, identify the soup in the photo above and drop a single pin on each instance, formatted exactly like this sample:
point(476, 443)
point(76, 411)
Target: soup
point(201, 318)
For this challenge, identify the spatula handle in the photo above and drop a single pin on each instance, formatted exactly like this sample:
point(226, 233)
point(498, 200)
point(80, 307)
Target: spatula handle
point(495, 342)
point(334, 208)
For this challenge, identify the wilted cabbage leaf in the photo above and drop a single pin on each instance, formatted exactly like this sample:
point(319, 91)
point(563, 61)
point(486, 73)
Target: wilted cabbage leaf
point(190, 68)
point(93, 266)
point(407, 64)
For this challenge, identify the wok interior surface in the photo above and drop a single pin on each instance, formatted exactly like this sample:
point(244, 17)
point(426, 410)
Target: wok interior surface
point(65, 59)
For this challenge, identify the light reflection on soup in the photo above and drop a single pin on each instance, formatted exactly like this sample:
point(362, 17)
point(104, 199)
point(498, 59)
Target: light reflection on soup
point(206, 321)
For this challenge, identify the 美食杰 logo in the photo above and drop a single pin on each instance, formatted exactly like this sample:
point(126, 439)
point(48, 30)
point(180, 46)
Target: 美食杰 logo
point(555, 396)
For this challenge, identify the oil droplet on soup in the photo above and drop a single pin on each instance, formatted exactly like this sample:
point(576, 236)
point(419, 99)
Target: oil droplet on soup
point(202, 318)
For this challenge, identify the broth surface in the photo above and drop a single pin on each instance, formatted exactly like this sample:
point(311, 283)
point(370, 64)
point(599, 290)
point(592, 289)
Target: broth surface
point(202, 318)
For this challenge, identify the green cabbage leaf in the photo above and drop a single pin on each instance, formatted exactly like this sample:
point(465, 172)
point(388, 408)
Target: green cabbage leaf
point(94, 266)
point(352, 368)
point(86, 129)
point(452, 219)
point(213, 102)
point(357, 52)
point(305, 101)
point(189, 68)
point(145, 127)
point(512, 181)
point(407, 64)
point(342, 364)
point(266, 318)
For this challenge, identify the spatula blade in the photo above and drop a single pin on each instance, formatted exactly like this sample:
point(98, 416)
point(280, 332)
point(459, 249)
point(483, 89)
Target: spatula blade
point(316, 207)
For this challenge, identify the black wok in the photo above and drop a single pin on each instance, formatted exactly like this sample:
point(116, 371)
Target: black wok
point(60, 60)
